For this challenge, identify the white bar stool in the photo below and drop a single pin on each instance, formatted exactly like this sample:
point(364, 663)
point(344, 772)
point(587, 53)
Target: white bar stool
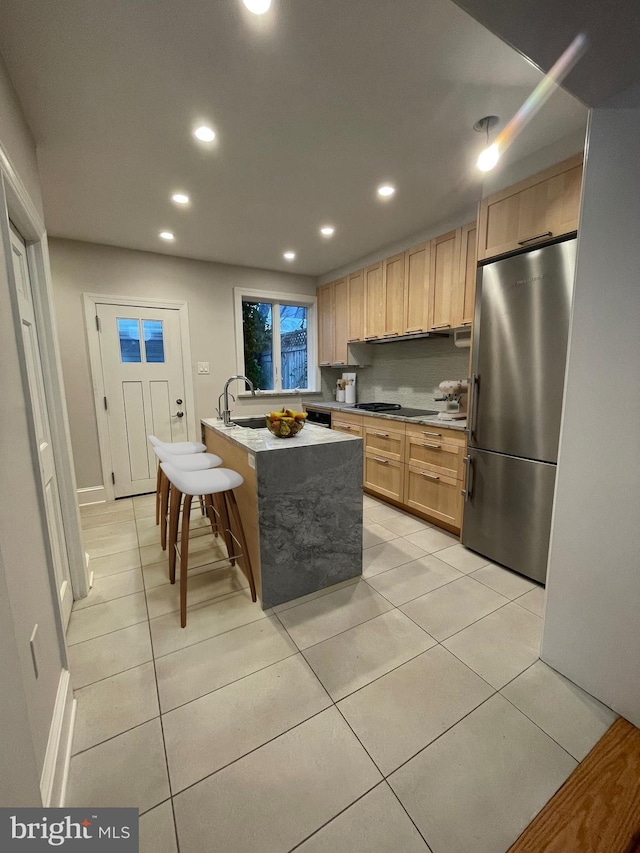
point(217, 483)
point(177, 448)
point(184, 462)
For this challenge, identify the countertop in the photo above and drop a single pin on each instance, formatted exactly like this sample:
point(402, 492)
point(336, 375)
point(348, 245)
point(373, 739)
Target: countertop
point(259, 440)
point(432, 420)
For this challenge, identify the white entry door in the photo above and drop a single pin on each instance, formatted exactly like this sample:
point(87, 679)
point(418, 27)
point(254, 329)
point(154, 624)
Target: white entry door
point(142, 369)
point(40, 411)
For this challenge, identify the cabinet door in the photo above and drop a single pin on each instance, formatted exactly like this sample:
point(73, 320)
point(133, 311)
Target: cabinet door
point(467, 277)
point(374, 301)
point(384, 442)
point(445, 262)
point(416, 289)
point(344, 426)
point(325, 324)
point(436, 456)
point(355, 291)
point(384, 476)
point(394, 295)
point(340, 322)
point(434, 494)
point(543, 206)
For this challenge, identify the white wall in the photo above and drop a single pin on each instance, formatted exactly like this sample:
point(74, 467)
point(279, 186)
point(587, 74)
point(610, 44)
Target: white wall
point(79, 268)
point(26, 702)
point(592, 623)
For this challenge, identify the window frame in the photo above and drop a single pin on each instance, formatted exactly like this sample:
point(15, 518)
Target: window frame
point(307, 301)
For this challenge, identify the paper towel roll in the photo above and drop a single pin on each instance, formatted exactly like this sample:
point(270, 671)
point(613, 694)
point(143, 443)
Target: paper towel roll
point(350, 394)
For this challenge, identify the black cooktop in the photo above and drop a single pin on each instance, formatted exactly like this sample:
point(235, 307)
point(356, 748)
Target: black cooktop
point(395, 409)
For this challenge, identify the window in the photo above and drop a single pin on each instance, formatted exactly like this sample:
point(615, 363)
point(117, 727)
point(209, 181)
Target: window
point(129, 336)
point(275, 340)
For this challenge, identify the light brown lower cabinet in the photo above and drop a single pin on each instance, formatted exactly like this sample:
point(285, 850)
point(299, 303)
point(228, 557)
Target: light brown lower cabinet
point(434, 494)
point(384, 476)
point(418, 467)
point(344, 426)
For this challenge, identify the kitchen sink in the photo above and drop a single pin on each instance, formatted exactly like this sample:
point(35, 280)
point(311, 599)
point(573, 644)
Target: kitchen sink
point(259, 422)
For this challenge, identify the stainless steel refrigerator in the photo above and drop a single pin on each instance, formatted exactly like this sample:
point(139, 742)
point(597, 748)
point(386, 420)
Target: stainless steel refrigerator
point(518, 363)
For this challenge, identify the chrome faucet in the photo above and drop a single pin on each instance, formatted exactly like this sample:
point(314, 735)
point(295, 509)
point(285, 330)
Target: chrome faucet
point(226, 413)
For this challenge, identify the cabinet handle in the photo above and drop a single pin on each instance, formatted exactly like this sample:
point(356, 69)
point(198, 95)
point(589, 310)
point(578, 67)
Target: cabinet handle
point(325, 363)
point(447, 325)
point(428, 476)
point(343, 426)
point(467, 323)
point(537, 237)
point(390, 334)
point(370, 337)
point(426, 444)
point(438, 434)
point(381, 460)
point(381, 434)
point(339, 362)
point(353, 340)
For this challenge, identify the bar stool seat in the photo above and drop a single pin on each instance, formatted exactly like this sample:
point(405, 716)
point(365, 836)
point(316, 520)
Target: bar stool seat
point(184, 462)
point(178, 447)
point(216, 485)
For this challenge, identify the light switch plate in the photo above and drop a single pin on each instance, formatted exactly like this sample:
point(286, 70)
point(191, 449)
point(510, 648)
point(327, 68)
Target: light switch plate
point(203, 367)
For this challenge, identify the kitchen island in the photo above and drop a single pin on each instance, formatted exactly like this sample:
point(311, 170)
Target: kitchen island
point(300, 503)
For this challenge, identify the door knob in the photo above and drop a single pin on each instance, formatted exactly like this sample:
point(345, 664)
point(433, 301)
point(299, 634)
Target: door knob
point(179, 402)
point(179, 415)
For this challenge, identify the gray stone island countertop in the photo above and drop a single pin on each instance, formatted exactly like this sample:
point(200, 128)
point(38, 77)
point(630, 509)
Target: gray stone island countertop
point(259, 440)
point(431, 420)
point(301, 509)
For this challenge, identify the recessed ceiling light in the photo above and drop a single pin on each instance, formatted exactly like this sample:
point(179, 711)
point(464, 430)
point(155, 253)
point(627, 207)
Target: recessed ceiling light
point(386, 190)
point(180, 198)
point(167, 235)
point(258, 7)
point(327, 230)
point(204, 133)
point(289, 256)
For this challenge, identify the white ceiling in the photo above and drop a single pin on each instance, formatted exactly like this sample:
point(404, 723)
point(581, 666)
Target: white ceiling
point(314, 105)
point(542, 29)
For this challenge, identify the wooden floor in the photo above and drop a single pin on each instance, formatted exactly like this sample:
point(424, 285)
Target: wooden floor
point(597, 810)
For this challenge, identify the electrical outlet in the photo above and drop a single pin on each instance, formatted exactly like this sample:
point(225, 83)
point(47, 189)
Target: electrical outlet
point(203, 367)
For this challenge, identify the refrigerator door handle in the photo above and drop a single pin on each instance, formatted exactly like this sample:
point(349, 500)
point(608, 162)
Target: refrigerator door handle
point(468, 482)
point(473, 405)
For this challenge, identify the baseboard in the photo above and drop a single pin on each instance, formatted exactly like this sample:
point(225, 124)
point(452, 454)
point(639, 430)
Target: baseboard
point(57, 756)
point(92, 495)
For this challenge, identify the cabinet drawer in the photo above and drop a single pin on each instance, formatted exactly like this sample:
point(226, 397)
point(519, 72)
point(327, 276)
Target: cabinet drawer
point(384, 442)
point(384, 476)
point(345, 426)
point(434, 494)
point(437, 434)
point(435, 454)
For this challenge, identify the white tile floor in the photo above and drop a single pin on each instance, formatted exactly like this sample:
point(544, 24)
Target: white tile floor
point(404, 711)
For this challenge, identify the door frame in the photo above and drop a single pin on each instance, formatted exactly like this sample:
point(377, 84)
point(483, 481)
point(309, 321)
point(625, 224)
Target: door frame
point(90, 303)
point(16, 205)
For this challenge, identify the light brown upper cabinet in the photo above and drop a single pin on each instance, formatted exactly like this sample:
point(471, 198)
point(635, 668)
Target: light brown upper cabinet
point(393, 295)
point(445, 265)
point(374, 301)
point(340, 322)
point(543, 206)
point(463, 314)
point(325, 323)
point(416, 289)
point(355, 297)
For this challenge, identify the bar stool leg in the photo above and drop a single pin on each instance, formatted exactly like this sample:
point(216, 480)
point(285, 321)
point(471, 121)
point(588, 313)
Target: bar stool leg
point(159, 476)
point(230, 499)
point(221, 504)
point(174, 516)
point(164, 507)
point(184, 557)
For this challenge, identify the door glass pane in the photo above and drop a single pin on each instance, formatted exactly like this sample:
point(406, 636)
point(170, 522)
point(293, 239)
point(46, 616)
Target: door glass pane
point(293, 346)
point(153, 341)
point(257, 325)
point(129, 334)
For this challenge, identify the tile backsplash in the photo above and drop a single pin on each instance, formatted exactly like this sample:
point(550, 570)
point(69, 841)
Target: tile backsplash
point(405, 372)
